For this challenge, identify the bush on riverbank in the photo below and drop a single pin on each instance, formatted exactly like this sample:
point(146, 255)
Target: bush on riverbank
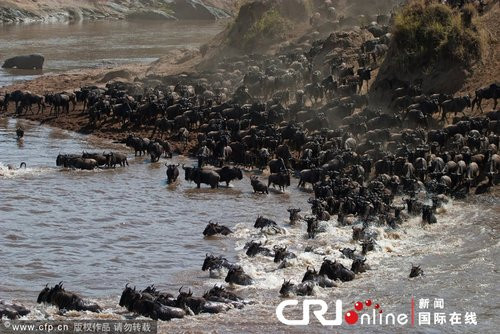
point(427, 35)
point(432, 44)
point(271, 27)
point(261, 24)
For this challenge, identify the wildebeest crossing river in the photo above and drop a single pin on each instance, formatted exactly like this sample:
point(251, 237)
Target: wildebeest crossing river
point(98, 230)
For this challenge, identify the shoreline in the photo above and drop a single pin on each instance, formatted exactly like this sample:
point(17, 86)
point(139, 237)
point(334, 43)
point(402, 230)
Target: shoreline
point(52, 11)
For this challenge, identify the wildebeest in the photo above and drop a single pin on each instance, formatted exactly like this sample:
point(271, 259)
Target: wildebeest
point(219, 294)
point(200, 175)
point(237, 275)
point(215, 264)
point(215, 228)
point(255, 248)
point(101, 159)
point(490, 92)
point(309, 176)
point(281, 253)
point(289, 289)
point(227, 174)
point(359, 266)
point(140, 145)
point(348, 253)
point(172, 173)
point(262, 222)
point(335, 270)
point(145, 304)
point(258, 186)
point(428, 215)
point(19, 133)
point(321, 280)
point(294, 215)
point(114, 158)
point(12, 311)
point(416, 271)
point(280, 179)
point(66, 300)
point(12, 167)
point(155, 150)
point(75, 161)
point(455, 105)
point(277, 165)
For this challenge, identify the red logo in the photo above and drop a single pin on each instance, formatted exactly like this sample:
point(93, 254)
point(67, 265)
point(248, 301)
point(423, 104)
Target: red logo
point(351, 316)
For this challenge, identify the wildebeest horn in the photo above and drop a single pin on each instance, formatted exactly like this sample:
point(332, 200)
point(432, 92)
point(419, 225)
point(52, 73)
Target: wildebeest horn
point(134, 287)
point(47, 285)
point(181, 288)
point(126, 286)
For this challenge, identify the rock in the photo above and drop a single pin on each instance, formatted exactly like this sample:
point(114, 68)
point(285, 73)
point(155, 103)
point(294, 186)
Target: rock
point(149, 15)
point(27, 62)
point(119, 74)
point(196, 10)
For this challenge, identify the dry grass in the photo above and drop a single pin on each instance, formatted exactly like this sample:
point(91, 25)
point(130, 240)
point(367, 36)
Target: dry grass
point(428, 35)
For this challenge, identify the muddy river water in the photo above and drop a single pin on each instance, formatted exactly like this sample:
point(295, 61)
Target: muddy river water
point(98, 44)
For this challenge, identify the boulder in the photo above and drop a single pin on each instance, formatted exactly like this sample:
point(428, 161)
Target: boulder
point(157, 15)
point(196, 10)
point(27, 62)
point(118, 74)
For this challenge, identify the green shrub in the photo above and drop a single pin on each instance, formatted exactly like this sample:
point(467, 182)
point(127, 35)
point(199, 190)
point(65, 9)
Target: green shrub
point(271, 27)
point(426, 35)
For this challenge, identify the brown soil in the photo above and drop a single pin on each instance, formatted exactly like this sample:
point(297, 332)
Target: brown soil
point(487, 70)
point(452, 78)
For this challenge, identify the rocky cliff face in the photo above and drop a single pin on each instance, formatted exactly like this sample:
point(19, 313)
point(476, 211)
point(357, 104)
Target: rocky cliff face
point(17, 11)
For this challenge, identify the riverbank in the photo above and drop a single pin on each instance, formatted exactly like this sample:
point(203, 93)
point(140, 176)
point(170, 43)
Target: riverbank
point(44, 11)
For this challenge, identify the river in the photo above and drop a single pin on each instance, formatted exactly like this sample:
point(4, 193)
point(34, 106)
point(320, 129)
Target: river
point(98, 44)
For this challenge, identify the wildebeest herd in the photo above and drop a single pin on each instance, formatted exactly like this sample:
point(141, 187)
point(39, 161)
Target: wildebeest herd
point(368, 164)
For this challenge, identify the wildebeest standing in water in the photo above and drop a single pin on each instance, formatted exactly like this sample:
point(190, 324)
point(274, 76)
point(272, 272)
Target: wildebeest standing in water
point(172, 173)
point(258, 186)
point(19, 133)
point(280, 179)
point(227, 174)
point(200, 175)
